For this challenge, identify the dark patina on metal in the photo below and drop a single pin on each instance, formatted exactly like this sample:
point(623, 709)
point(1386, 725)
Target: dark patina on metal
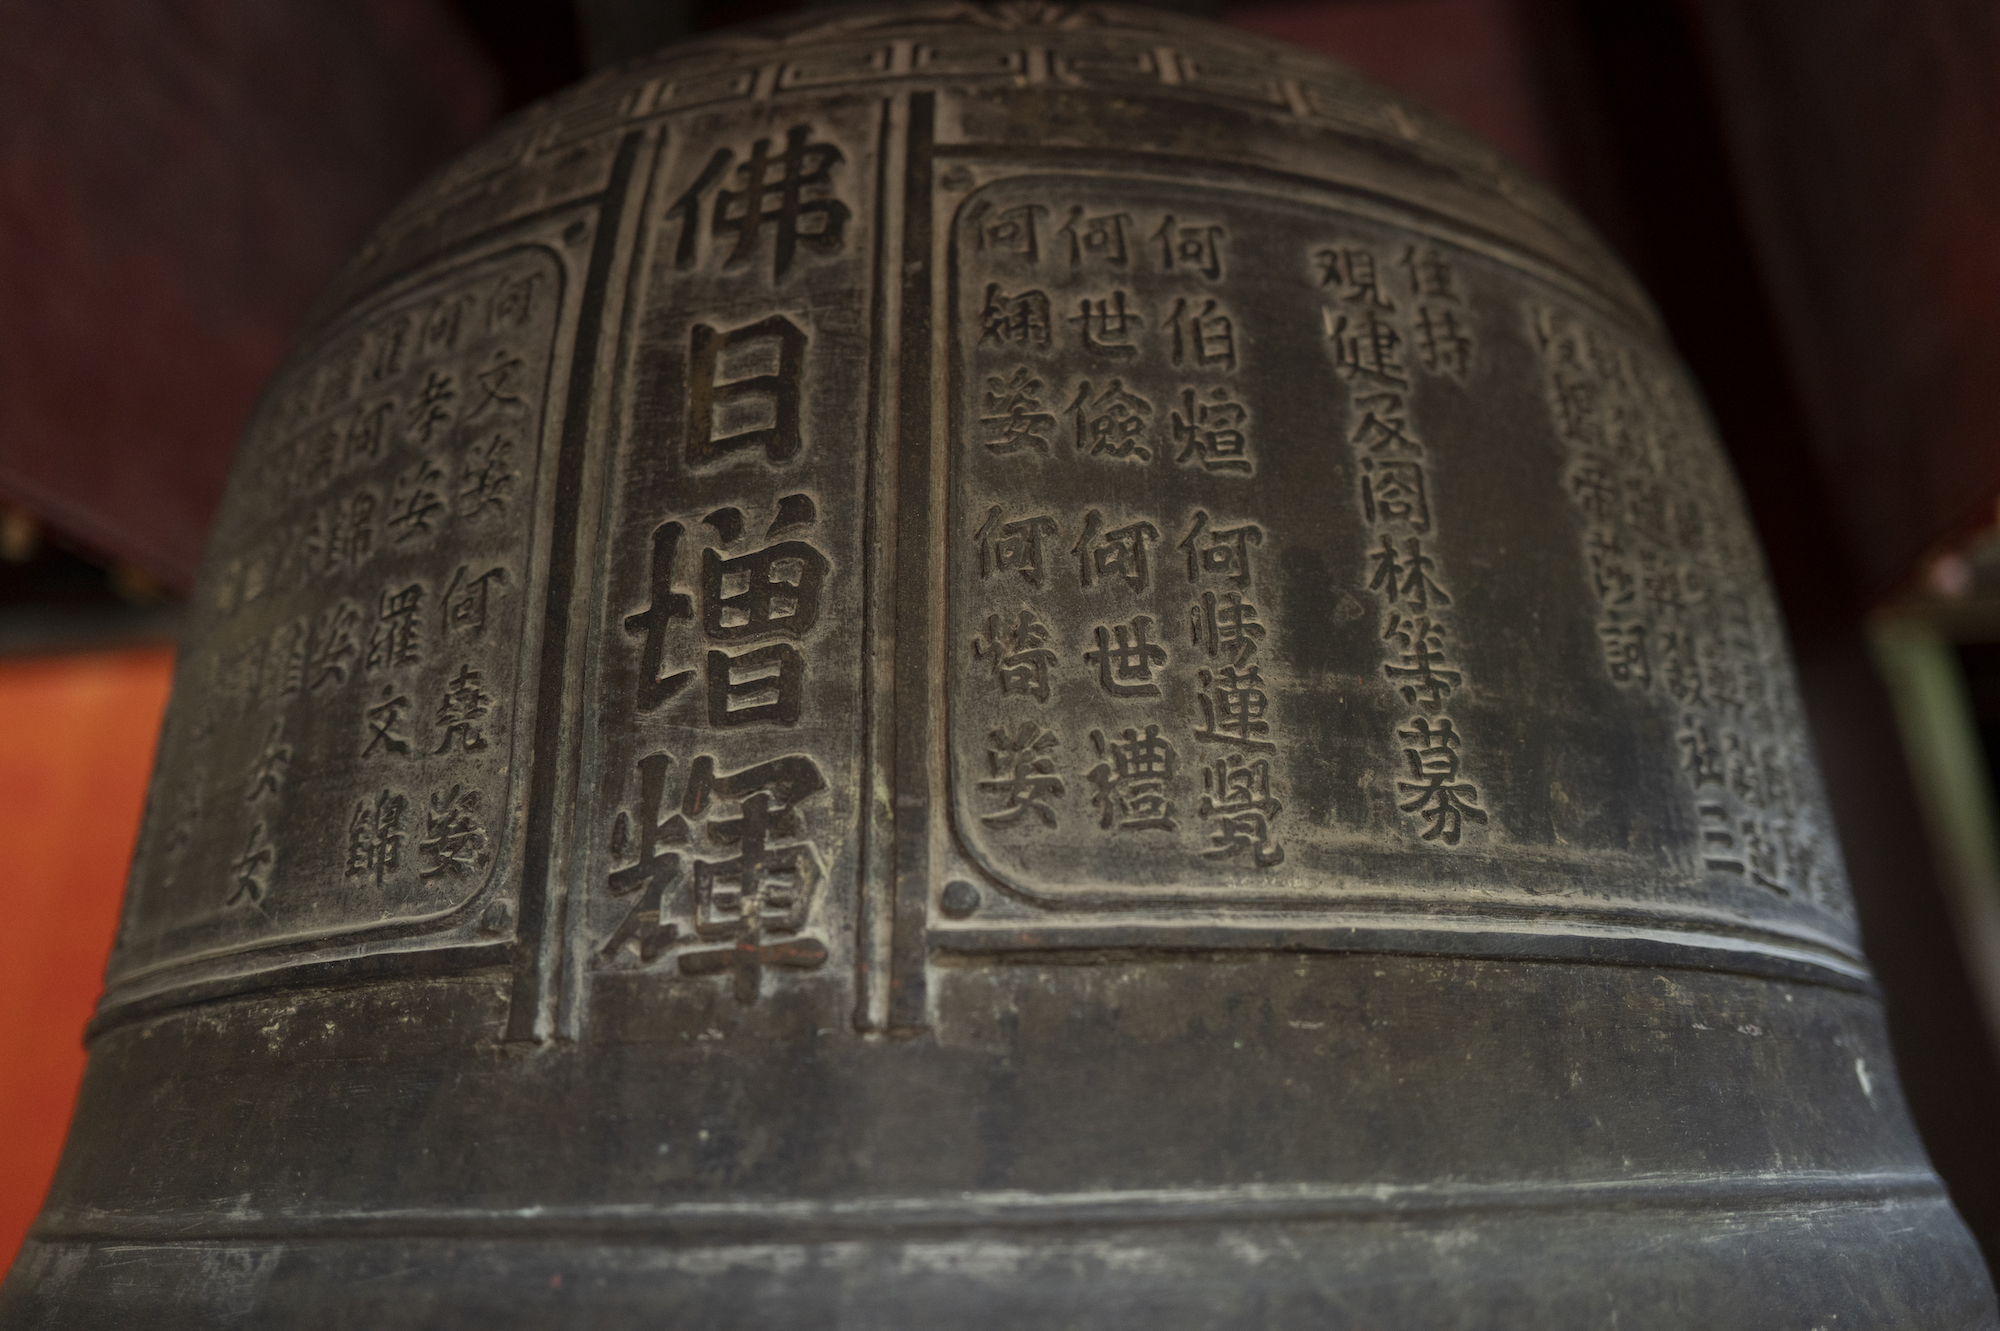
point(962, 666)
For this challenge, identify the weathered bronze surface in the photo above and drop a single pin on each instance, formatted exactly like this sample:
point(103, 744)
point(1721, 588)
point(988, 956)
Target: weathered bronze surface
point(1023, 666)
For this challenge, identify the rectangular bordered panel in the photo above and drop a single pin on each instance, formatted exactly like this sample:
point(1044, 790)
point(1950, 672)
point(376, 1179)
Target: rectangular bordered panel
point(720, 848)
point(1300, 560)
point(344, 740)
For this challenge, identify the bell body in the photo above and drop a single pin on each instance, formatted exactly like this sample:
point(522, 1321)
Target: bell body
point(966, 667)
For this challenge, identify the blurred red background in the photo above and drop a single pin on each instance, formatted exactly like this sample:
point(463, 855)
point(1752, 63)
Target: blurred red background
point(77, 753)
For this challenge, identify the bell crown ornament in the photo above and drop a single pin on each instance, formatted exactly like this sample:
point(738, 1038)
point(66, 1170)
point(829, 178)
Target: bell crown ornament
point(977, 666)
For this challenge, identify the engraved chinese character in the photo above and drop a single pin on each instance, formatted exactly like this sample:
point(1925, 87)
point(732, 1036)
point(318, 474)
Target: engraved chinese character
point(461, 712)
point(384, 721)
point(351, 538)
point(1434, 790)
point(1236, 791)
point(1233, 703)
point(433, 408)
point(396, 639)
point(1442, 342)
point(1014, 419)
point(1013, 546)
point(1211, 431)
point(1421, 675)
point(1406, 578)
point(1106, 327)
point(1617, 586)
point(1132, 777)
point(367, 433)
point(1100, 237)
point(1365, 346)
point(1429, 273)
point(513, 301)
point(503, 385)
point(1204, 337)
point(798, 203)
point(1023, 318)
point(1383, 427)
point(1718, 842)
point(1118, 553)
point(1625, 652)
point(765, 359)
point(1392, 492)
point(1125, 660)
point(485, 478)
point(1114, 425)
point(466, 599)
point(1023, 775)
point(1351, 271)
point(417, 502)
point(330, 648)
point(267, 770)
point(1020, 654)
point(1007, 230)
point(765, 887)
point(375, 837)
point(1225, 626)
point(250, 872)
point(1220, 552)
point(453, 842)
point(288, 659)
point(442, 322)
point(1192, 248)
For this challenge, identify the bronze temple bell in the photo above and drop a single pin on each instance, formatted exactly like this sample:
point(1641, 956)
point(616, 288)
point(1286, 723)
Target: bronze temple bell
point(1031, 666)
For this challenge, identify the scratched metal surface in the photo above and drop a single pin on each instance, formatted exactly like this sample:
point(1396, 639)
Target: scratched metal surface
point(981, 666)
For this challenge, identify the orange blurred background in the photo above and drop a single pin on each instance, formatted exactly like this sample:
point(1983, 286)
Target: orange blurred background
point(76, 750)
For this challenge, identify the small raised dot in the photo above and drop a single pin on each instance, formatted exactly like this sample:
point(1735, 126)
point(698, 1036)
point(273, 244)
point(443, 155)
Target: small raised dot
point(960, 899)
